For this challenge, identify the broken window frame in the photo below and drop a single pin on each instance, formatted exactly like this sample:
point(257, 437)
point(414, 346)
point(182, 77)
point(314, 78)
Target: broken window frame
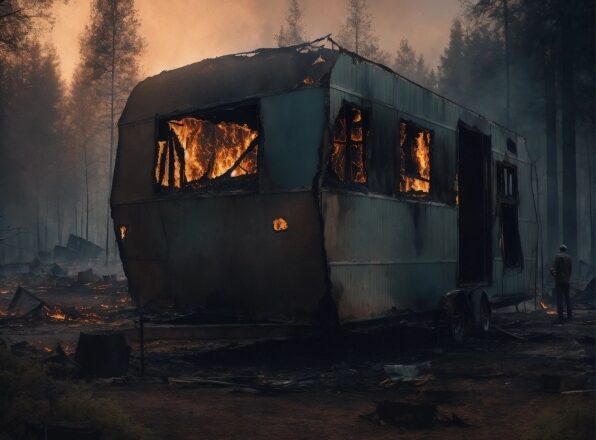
point(508, 202)
point(507, 185)
point(175, 153)
point(401, 171)
point(349, 178)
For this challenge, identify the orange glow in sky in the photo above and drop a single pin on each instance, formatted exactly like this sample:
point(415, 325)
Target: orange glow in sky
point(180, 32)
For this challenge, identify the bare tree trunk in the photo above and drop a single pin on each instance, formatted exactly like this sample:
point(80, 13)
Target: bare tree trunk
point(38, 233)
point(569, 161)
point(552, 181)
point(59, 220)
point(45, 225)
point(112, 97)
point(86, 193)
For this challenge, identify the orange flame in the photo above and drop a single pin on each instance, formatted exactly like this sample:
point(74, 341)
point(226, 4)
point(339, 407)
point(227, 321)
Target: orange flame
point(161, 150)
point(280, 224)
point(56, 314)
point(547, 309)
point(423, 154)
point(355, 170)
point(411, 184)
point(123, 230)
point(222, 143)
point(420, 154)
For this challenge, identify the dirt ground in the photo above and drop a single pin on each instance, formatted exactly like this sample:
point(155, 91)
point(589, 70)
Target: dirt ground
point(492, 387)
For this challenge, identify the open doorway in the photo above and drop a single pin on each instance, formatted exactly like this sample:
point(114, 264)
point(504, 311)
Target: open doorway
point(475, 253)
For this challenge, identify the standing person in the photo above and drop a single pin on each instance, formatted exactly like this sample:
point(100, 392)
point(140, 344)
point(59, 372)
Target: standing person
point(561, 270)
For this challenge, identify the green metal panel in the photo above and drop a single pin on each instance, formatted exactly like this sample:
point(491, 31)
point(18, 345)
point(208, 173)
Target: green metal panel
point(293, 124)
point(386, 253)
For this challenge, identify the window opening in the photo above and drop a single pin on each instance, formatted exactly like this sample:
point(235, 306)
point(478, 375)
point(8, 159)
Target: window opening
point(414, 159)
point(193, 151)
point(347, 162)
point(507, 192)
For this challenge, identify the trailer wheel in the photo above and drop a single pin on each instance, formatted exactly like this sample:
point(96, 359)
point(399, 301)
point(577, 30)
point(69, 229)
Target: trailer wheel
point(481, 311)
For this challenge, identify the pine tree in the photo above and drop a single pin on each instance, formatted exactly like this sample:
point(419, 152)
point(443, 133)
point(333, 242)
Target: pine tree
point(18, 18)
point(85, 130)
point(34, 131)
point(357, 32)
point(294, 33)
point(452, 63)
point(412, 66)
point(110, 50)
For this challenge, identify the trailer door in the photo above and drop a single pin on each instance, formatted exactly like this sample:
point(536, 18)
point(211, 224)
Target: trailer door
point(474, 222)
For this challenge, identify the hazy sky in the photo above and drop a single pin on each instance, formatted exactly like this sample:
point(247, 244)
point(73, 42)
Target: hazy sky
point(179, 32)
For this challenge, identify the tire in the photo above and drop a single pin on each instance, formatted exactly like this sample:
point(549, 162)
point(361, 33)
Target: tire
point(481, 311)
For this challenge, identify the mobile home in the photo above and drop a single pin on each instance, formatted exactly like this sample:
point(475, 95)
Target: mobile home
point(267, 184)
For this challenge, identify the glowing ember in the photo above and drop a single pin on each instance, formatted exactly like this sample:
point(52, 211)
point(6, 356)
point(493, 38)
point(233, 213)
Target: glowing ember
point(280, 224)
point(56, 314)
point(308, 81)
point(411, 184)
point(201, 149)
point(123, 230)
point(549, 310)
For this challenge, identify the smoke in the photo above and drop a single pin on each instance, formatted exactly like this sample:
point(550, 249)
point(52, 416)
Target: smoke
point(181, 32)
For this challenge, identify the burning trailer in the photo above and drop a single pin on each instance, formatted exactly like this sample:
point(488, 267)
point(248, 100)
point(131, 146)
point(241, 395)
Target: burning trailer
point(308, 183)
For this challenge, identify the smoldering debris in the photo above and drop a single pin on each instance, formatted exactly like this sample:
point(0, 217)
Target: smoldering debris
point(24, 302)
point(87, 276)
point(57, 271)
point(77, 248)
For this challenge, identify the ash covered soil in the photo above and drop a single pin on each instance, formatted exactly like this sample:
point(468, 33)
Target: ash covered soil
point(514, 382)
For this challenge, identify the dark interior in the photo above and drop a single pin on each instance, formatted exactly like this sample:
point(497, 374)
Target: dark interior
point(475, 262)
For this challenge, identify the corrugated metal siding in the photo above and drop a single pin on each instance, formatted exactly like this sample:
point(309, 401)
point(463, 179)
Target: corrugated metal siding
point(410, 263)
point(386, 253)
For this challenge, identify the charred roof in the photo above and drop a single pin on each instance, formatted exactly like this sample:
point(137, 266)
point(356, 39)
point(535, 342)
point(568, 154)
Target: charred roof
point(229, 79)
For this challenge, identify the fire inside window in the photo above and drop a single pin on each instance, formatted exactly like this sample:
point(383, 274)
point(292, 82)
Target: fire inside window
point(414, 159)
point(197, 151)
point(347, 154)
